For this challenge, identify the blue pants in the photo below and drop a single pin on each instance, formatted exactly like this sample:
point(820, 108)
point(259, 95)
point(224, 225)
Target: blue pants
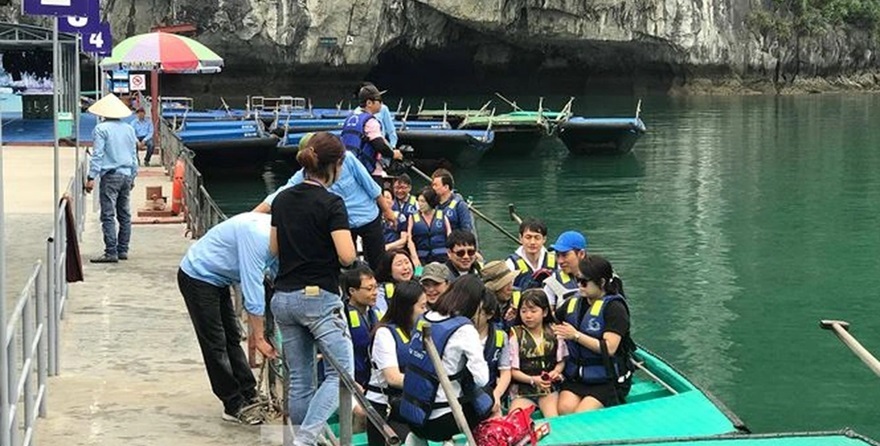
point(115, 190)
point(149, 153)
point(305, 320)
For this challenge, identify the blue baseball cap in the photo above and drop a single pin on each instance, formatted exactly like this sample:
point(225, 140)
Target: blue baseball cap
point(569, 240)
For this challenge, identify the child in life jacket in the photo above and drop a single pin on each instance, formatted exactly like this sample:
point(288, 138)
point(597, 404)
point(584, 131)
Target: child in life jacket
point(537, 357)
point(496, 350)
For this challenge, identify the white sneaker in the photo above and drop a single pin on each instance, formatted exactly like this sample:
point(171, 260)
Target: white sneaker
point(249, 415)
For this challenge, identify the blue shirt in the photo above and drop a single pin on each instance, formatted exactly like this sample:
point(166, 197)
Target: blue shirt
point(114, 148)
point(235, 251)
point(143, 129)
point(386, 120)
point(459, 215)
point(356, 187)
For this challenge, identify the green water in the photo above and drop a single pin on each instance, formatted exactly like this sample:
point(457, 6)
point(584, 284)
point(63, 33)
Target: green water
point(737, 224)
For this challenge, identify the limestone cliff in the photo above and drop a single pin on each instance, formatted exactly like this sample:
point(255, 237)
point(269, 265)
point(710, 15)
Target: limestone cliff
point(566, 45)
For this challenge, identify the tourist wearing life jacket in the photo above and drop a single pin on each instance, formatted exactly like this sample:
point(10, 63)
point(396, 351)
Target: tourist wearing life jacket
point(428, 229)
point(359, 287)
point(532, 261)
point(389, 352)
point(596, 328)
point(311, 236)
point(363, 202)
point(435, 281)
point(451, 203)
point(424, 405)
point(496, 350)
point(395, 236)
point(234, 251)
point(499, 279)
point(395, 267)
point(537, 356)
point(386, 120)
point(461, 247)
point(570, 248)
point(404, 201)
point(362, 132)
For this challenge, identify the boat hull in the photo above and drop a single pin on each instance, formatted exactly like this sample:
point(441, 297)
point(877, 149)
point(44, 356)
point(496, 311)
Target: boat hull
point(460, 148)
point(600, 136)
point(233, 154)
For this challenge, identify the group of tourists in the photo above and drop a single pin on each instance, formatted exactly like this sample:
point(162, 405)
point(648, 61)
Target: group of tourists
point(543, 328)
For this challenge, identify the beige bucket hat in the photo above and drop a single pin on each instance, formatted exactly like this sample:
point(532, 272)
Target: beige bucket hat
point(110, 106)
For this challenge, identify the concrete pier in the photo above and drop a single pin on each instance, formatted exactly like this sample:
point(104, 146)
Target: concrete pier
point(131, 372)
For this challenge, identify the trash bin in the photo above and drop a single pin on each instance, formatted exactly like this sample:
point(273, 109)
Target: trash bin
point(65, 125)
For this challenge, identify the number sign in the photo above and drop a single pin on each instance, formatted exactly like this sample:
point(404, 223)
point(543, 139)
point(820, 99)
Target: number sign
point(56, 7)
point(99, 41)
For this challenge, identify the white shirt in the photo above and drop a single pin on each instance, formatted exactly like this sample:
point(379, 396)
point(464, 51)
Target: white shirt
point(522, 253)
point(384, 355)
point(462, 349)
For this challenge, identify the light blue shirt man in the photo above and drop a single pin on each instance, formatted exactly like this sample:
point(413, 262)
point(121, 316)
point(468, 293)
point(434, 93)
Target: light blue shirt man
point(115, 146)
point(356, 187)
point(235, 251)
point(143, 129)
point(386, 120)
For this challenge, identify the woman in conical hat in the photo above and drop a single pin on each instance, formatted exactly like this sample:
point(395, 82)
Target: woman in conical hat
point(110, 107)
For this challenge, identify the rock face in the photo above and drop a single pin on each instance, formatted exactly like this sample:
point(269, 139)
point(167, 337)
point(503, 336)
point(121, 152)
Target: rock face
point(564, 45)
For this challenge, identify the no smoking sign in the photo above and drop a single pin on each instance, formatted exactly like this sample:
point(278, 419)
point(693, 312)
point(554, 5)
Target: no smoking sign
point(137, 82)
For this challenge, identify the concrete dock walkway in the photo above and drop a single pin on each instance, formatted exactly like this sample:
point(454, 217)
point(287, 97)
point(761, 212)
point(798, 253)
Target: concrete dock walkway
point(130, 368)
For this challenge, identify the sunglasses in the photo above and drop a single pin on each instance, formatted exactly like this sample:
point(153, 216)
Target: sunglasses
point(465, 252)
point(583, 281)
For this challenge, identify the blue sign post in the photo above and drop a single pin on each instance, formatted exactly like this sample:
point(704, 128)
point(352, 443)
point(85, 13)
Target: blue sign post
point(56, 7)
point(99, 40)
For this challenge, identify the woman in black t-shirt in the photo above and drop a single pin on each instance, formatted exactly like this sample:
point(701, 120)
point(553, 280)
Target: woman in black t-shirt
point(310, 234)
point(596, 330)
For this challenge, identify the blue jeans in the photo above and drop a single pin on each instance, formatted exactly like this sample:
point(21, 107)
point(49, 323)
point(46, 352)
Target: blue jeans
point(305, 320)
point(115, 190)
point(150, 148)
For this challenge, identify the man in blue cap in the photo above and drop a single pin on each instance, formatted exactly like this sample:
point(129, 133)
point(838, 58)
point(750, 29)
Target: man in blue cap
point(570, 247)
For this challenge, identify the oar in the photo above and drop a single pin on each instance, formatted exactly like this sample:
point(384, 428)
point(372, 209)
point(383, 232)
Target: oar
point(641, 367)
point(841, 329)
point(473, 209)
point(451, 396)
point(638, 109)
point(484, 107)
point(225, 106)
point(513, 216)
point(509, 102)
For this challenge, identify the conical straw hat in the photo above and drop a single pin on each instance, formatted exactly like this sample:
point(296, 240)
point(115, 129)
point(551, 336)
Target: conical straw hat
point(110, 107)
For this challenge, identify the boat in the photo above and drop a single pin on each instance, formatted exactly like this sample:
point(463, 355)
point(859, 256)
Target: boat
point(442, 146)
point(844, 437)
point(242, 147)
point(517, 133)
point(661, 407)
point(600, 136)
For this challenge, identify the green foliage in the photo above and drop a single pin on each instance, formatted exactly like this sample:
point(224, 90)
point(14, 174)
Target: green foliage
point(815, 16)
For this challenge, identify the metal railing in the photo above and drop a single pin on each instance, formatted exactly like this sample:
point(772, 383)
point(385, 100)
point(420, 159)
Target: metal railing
point(200, 209)
point(31, 350)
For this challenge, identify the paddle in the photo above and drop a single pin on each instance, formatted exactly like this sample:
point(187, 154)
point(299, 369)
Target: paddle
point(513, 216)
point(841, 329)
point(473, 209)
point(511, 103)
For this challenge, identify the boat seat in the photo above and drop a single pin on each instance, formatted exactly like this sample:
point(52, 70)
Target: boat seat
point(645, 390)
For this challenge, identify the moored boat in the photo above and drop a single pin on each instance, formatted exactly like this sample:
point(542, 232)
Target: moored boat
point(243, 147)
point(463, 148)
point(600, 136)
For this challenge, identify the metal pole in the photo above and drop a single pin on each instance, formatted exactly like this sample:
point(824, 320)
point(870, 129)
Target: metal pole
point(77, 89)
point(52, 328)
point(841, 328)
point(4, 359)
point(42, 360)
point(56, 104)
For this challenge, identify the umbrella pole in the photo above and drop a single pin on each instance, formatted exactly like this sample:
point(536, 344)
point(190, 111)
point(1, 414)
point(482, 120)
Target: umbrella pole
point(154, 104)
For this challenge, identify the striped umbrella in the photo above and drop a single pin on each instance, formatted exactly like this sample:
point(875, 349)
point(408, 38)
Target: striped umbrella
point(164, 52)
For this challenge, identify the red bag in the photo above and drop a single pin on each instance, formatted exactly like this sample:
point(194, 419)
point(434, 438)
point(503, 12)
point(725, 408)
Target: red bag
point(517, 428)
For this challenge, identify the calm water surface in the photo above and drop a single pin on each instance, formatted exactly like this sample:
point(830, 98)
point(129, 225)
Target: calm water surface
point(737, 224)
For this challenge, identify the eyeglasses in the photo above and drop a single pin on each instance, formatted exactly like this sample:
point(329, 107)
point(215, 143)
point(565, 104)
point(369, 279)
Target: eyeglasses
point(583, 281)
point(368, 288)
point(465, 252)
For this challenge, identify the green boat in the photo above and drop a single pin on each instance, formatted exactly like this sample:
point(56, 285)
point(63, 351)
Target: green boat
point(840, 438)
point(652, 411)
point(516, 133)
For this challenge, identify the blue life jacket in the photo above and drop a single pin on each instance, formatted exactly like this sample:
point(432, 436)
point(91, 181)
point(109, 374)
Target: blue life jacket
point(430, 240)
point(404, 210)
point(420, 383)
point(391, 233)
point(492, 353)
point(449, 209)
point(583, 364)
point(401, 341)
point(524, 272)
point(361, 329)
point(355, 139)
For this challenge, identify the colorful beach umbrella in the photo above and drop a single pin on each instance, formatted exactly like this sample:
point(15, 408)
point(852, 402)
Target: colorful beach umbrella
point(163, 52)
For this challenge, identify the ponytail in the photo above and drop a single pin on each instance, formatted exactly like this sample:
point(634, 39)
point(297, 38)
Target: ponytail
point(318, 155)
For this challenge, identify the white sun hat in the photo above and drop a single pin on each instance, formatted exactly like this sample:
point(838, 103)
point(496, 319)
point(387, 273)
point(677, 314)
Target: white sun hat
point(110, 106)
